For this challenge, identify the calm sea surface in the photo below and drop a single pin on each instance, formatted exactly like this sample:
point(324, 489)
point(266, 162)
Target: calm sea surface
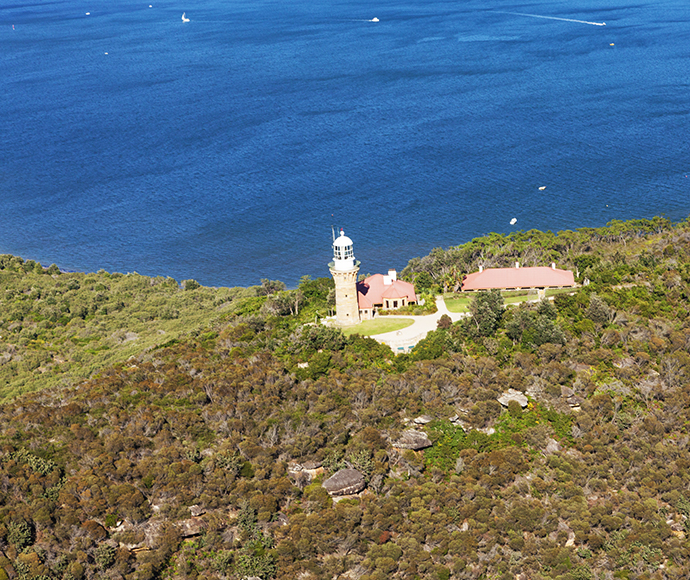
point(224, 148)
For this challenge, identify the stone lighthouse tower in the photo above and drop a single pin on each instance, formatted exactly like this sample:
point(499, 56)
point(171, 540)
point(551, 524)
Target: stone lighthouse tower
point(344, 270)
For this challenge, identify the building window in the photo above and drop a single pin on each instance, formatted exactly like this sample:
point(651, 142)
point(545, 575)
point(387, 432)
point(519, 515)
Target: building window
point(395, 303)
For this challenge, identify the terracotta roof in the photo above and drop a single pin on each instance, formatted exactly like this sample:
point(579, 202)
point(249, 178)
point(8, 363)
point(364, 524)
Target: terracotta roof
point(539, 277)
point(393, 291)
point(363, 301)
point(373, 290)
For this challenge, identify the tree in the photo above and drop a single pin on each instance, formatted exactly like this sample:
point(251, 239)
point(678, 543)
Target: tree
point(487, 311)
point(316, 292)
point(598, 310)
point(104, 556)
point(269, 287)
point(19, 534)
point(283, 303)
point(444, 322)
point(190, 284)
point(423, 281)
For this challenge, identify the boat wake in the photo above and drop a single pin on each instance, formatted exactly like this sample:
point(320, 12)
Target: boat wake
point(553, 18)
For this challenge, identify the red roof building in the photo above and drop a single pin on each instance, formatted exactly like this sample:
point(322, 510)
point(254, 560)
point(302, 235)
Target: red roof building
point(515, 278)
point(379, 291)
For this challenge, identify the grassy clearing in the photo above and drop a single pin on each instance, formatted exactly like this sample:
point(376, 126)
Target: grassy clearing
point(460, 302)
point(378, 326)
point(518, 296)
point(557, 291)
point(457, 302)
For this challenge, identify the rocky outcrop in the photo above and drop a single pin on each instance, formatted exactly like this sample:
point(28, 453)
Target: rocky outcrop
point(412, 439)
point(303, 474)
point(513, 395)
point(345, 482)
point(190, 527)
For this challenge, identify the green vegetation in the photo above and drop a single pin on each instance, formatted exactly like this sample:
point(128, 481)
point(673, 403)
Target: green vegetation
point(378, 326)
point(461, 302)
point(457, 302)
point(57, 328)
point(202, 453)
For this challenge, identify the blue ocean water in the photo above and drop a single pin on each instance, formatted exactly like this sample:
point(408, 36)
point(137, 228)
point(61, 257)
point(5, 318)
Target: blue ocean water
point(223, 149)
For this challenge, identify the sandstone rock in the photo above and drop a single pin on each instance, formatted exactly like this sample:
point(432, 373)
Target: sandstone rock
point(552, 446)
point(345, 482)
point(575, 401)
point(512, 395)
point(412, 439)
point(196, 510)
point(191, 527)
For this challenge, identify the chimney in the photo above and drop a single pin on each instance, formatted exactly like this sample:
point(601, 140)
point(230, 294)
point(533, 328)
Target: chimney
point(553, 265)
point(481, 268)
point(517, 264)
point(393, 275)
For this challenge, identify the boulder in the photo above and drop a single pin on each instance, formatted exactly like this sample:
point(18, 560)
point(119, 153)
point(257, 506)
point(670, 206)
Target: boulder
point(423, 420)
point(575, 401)
point(512, 395)
point(196, 510)
point(345, 482)
point(191, 527)
point(412, 439)
point(552, 446)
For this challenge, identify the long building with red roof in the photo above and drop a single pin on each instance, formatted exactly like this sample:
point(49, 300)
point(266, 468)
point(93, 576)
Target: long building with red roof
point(518, 278)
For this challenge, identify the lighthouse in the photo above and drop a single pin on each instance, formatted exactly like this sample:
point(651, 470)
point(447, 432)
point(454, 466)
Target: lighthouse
point(344, 269)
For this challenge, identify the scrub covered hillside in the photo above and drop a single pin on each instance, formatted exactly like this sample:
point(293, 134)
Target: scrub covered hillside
point(206, 457)
point(58, 327)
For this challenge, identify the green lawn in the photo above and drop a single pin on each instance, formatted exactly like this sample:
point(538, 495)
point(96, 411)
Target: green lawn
point(556, 291)
point(457, 302)
point(518, 296)
point(460, 302)
point(378, 326)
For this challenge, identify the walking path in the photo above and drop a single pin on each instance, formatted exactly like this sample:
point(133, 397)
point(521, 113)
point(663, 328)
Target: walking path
point(404, 339)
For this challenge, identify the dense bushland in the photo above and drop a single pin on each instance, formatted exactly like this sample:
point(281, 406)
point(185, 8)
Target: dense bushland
point(102, 479)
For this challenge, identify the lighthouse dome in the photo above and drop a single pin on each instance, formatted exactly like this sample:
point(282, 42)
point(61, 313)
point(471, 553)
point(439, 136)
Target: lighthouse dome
point(343, 253)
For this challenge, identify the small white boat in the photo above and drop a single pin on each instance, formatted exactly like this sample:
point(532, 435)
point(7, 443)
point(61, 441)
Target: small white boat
point(374, 19)
point(184, 17)
point(513, 221)
point(542, 188)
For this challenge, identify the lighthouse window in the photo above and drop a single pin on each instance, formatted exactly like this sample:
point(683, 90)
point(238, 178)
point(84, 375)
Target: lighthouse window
point(343, 253)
